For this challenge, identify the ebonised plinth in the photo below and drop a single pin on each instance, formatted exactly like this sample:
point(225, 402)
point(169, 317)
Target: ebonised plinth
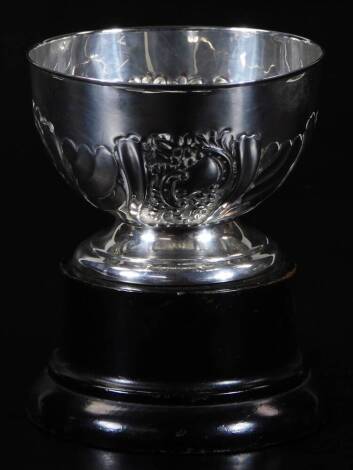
point(211, 369)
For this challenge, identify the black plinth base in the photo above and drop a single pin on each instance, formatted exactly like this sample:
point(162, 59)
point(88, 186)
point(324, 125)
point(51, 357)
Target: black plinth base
point(177, 370)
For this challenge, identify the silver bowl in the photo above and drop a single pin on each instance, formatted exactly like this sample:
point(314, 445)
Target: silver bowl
point(176, 131)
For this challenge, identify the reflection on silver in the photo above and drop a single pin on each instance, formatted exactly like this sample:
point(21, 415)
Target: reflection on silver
point(161, 56)
point(218, 253)
point(175, 131)
point(181, 80)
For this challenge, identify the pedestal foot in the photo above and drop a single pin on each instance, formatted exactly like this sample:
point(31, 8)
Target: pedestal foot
point(166, 257)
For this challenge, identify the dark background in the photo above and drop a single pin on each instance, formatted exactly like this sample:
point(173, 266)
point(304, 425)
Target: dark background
point(309, 217)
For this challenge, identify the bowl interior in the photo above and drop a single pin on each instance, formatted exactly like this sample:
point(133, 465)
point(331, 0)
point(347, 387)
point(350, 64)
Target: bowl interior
point(176, 56)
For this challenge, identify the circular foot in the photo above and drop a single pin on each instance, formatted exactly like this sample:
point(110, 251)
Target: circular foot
point(145, 427)
point(207, 255)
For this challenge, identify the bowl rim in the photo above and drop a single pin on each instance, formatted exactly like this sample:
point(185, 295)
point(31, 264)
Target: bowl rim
point(171, 87)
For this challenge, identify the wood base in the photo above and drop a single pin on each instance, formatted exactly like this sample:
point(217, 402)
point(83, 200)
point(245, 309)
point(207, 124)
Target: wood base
point(177, 370)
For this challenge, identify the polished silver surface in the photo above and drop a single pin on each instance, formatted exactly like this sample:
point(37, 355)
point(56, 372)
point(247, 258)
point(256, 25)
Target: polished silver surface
point(175, 131)
point(209, 254)
point(176, 55)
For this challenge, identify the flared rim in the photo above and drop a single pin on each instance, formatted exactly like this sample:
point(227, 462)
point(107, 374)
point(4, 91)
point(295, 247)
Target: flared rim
point(181, 87)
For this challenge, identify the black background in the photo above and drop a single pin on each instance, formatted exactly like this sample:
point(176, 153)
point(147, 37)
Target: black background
point(309, 217)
